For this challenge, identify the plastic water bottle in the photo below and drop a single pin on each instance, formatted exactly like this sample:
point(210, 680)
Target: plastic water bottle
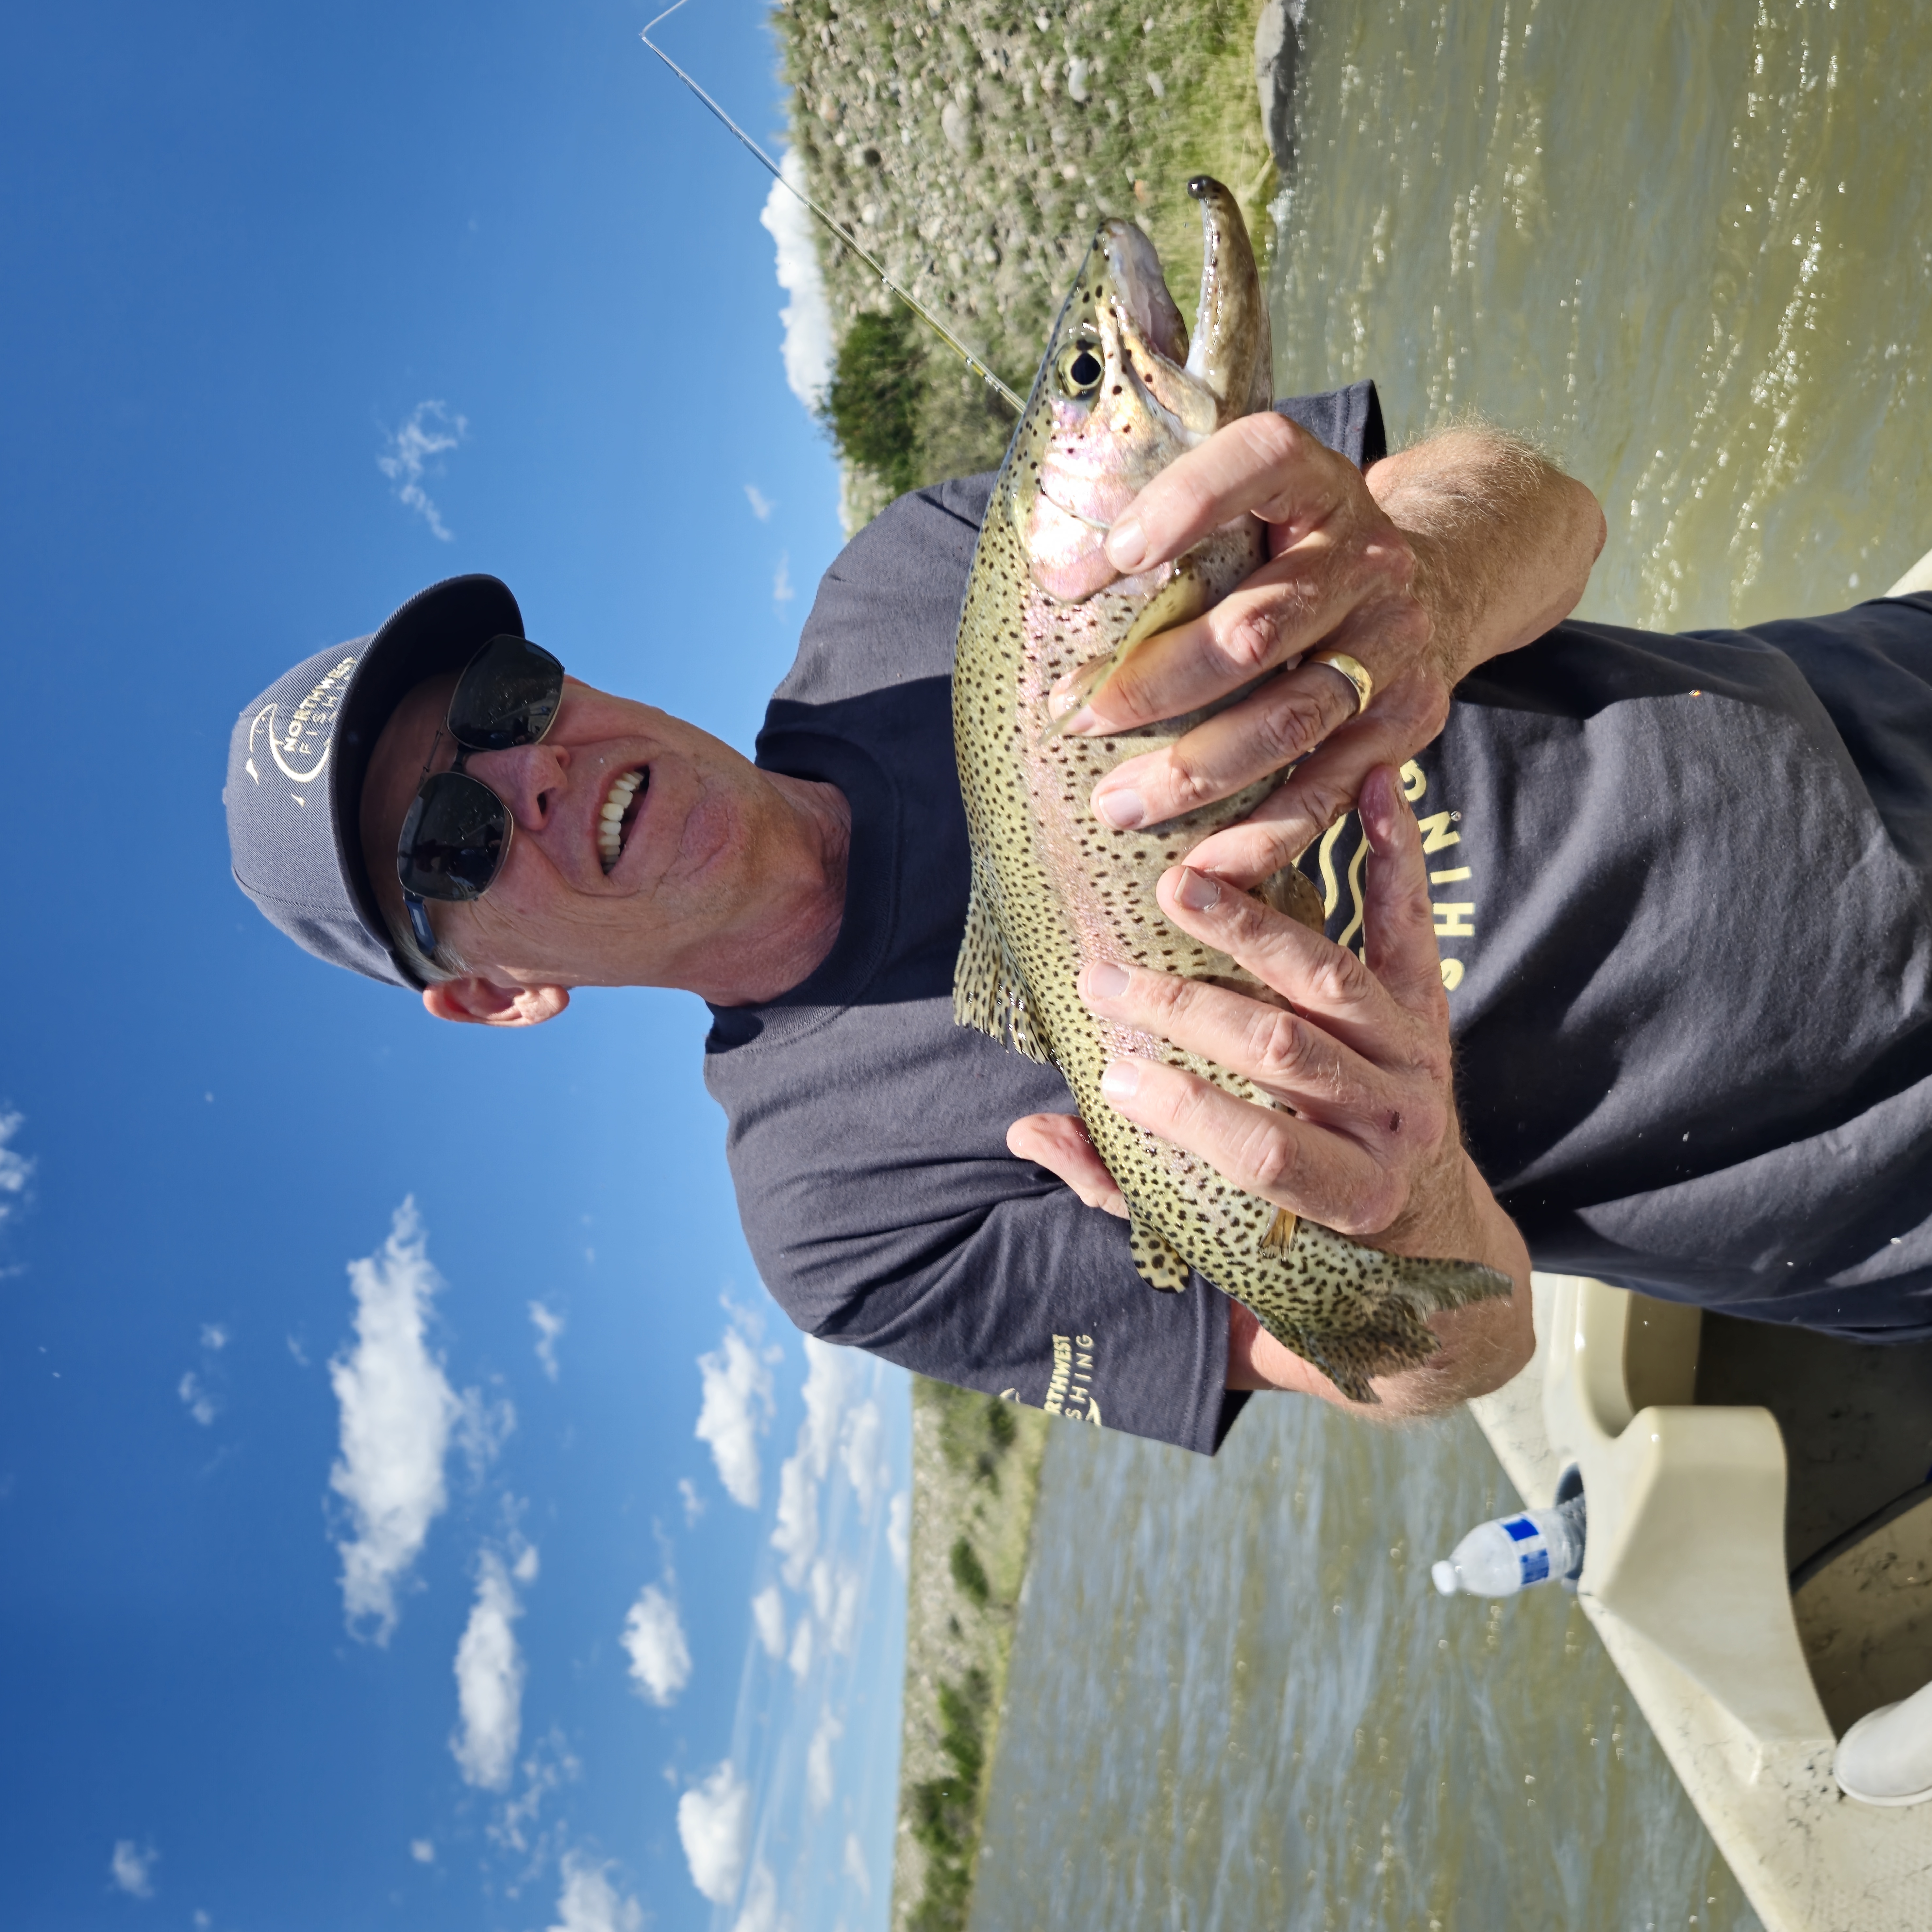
point(1498, 1559)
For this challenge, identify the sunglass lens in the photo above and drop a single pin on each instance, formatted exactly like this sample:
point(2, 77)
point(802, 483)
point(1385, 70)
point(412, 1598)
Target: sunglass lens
point(453, 839)
point(506, 696)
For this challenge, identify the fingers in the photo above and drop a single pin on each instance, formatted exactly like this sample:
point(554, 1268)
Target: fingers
point(1262, 624)
point(1399, 922)
point(1297, 1165)
point(1058, 1142)
point(1401, 723)
point(1262, 462)
point(1282, 721)
point(1322, 981)
point(1281, 1052)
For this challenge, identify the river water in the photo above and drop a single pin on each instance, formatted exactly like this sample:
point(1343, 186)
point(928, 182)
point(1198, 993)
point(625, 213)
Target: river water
point(1689, 248)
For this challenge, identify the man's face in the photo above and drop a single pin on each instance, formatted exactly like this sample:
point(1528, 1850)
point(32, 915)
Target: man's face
point(687, 864)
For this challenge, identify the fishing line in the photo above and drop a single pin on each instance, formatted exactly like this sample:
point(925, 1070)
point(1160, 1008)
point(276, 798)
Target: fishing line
point(918, 307)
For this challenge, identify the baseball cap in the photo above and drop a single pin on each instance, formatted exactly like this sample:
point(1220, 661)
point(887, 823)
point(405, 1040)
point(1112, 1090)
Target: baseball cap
point(300, 751)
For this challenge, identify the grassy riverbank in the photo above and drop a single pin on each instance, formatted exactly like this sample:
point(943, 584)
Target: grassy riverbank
point(975, 1478)
point(973, 147)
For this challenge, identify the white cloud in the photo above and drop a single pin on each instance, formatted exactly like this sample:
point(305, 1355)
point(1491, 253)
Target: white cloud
point(549, 1326)
point(807, 319)
point(547, 1769)
point(828, 1379)
point(198, 1390)
point(15, 1168)
point(590, 1903)
point(489, 1680)
point(660, 1658)
point(795, 1534)
point(714, 1825)
point(398, 1411)
point(818, 1778)
point(800, 1659)
point(694, 1504)
point(735, 1410)
point(855, 1865)
point(759, 1912)
point(782, 593)
point(859, 1451)
point(762, 506)
point(841, 1626)
point(422, 1851)
point(768, 1616)
point(133, 1866)
point(430, 431)
point(898, 1529)
point(201, 1405)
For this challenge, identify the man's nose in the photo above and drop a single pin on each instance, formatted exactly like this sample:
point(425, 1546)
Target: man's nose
point(530, 779)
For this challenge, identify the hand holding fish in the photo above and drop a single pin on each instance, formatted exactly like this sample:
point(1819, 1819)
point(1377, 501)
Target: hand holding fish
point(1442, 556)
point(1361, 1054)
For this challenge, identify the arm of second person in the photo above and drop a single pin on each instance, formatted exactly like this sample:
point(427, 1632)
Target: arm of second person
point(1447, 554)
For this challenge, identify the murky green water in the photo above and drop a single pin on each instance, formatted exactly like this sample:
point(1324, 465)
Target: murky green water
point(1690, 248)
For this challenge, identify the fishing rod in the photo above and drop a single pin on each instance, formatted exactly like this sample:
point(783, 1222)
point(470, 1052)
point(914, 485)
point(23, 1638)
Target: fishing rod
point(913, 302)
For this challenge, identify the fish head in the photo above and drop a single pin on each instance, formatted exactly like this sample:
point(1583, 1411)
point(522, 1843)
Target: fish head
point(1120, 393)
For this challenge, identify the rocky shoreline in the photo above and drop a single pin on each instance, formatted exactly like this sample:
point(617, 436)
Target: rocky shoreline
point(972, 147)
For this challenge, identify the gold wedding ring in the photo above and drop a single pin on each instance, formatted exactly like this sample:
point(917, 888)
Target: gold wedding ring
point(1353, 670)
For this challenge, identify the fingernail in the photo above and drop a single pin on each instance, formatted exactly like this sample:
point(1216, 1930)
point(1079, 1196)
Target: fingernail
point(1126, 544)
point(1197, 891)
point(1123, 810)
point(1121, 1081)
point(1104, 981)
point(1063, 697)
point(1082, 720)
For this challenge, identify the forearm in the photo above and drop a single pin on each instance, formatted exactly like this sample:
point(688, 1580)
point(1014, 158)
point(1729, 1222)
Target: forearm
point(1503, 541)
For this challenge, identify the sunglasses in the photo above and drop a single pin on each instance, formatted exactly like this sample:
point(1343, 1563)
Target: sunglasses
point(457, 833)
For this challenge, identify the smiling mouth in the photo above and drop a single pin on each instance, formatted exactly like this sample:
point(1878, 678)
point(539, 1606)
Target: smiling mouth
point(619, 813)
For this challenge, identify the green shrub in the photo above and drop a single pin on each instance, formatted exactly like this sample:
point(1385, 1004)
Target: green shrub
point(872, 403)
point(969, 1573)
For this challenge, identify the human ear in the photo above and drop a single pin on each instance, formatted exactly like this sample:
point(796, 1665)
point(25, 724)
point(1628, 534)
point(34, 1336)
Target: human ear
point(483, 1002)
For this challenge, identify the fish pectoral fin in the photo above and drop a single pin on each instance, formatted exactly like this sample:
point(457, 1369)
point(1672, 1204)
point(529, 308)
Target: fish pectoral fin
point(1280, 1235)
point(1175, 603)
point(1156, 1260)
point(1292, 893)
point(989, 990)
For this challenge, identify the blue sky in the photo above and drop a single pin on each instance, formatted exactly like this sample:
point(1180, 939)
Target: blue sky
point(363, 1561)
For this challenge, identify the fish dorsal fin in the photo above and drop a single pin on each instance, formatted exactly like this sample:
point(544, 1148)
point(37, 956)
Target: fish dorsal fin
point(989, 992)
point(1156, 1260)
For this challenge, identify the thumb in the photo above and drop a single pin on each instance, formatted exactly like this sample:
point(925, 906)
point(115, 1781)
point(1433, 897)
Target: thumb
point(1400, 946)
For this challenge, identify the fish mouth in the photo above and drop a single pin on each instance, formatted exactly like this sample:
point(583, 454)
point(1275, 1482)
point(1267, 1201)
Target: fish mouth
point(618, 811)
point(1122, 391)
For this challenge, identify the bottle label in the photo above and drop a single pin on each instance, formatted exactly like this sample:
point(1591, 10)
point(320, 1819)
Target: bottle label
point(1532, 1553)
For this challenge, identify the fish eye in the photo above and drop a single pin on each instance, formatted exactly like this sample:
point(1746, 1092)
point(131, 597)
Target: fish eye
point(1080, 370)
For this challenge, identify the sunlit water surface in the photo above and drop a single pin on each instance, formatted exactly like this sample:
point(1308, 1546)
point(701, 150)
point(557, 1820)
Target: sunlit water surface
point(1689, 248)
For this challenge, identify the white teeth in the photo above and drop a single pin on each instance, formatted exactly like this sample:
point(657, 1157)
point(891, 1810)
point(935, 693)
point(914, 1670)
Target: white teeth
point(610, 824)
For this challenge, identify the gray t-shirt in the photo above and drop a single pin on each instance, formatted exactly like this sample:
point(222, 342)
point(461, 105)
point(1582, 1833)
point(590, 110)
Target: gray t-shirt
point(1691, 947)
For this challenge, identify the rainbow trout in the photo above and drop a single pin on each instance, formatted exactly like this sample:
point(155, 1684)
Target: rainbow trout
point(1120, 395)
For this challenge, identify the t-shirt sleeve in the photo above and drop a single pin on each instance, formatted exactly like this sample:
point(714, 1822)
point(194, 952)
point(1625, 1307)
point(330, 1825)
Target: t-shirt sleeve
point(884, 1211)
point(1349, 421)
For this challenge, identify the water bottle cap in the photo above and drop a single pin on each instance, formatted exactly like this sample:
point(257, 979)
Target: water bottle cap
point(1443, 1575)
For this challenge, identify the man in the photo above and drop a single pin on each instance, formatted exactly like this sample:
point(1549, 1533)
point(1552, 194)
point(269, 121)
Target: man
point(1611, 895)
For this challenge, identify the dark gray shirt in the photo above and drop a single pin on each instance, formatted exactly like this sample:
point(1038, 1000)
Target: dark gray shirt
point(1680, 885)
